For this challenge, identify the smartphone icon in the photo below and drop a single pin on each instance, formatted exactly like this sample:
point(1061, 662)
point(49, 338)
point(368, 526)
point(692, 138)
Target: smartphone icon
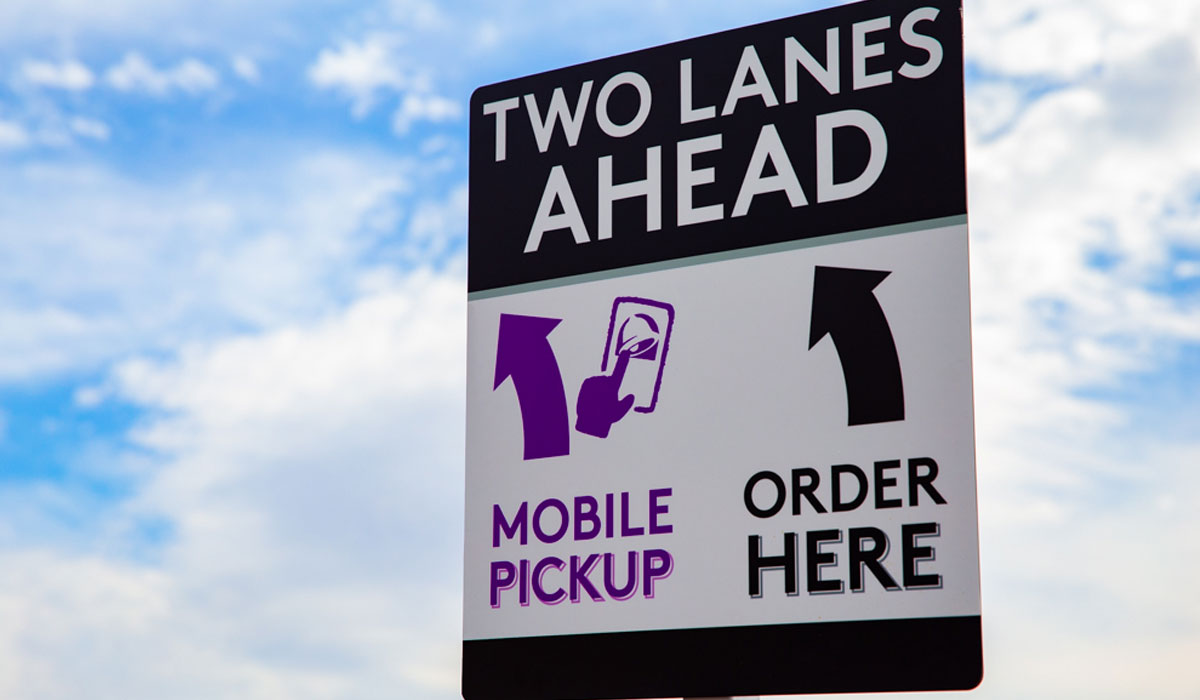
point(639, 334)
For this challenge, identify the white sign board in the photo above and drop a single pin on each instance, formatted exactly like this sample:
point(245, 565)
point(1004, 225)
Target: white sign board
point(720, 422)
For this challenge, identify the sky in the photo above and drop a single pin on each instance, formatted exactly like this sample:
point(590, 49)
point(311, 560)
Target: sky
point(232, 328)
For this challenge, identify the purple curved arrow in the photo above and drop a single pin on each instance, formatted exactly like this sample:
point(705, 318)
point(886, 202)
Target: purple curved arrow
point(523, 352)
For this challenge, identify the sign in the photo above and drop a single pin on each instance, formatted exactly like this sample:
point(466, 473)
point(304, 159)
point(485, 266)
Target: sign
point(720, 433)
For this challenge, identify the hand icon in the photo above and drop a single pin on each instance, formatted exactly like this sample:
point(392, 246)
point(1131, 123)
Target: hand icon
point(598, 406)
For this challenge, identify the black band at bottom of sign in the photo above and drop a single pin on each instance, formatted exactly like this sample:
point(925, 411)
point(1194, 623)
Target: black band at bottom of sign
point(941, 653)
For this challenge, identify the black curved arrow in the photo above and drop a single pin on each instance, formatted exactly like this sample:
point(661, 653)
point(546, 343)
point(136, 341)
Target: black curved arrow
point(845, 308)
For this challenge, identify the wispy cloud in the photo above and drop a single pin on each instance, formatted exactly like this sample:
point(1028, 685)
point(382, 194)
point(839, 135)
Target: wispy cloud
point(432, 108)
point(67, 75)
point(245, 68)
point(90, 128)
point(378, 66)
point(50, 129)
point(1083, 142)
point(13, 135)
point(117, 263)
point(311, 475)
point(360, 70)
point(135, 74)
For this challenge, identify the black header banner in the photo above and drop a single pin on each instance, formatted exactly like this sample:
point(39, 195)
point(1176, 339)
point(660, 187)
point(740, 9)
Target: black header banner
point(841, 120)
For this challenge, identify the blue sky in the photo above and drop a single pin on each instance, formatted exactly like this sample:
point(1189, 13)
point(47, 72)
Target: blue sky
point(232, 324)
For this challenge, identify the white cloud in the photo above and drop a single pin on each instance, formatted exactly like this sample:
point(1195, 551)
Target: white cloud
point(1093, 162)
point(1069, 39)
point(311, 476)
point(433, 108)
point(245, 68)
point(435, 225)
point(93, 264)
point(37, 121)
point(361, 69)
point(89, 396)
point(90, 128)
point(68, 75)
point(135, 74)
point(13, 135)
point(226, 24)
point(992, 106)
point(383, 65)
